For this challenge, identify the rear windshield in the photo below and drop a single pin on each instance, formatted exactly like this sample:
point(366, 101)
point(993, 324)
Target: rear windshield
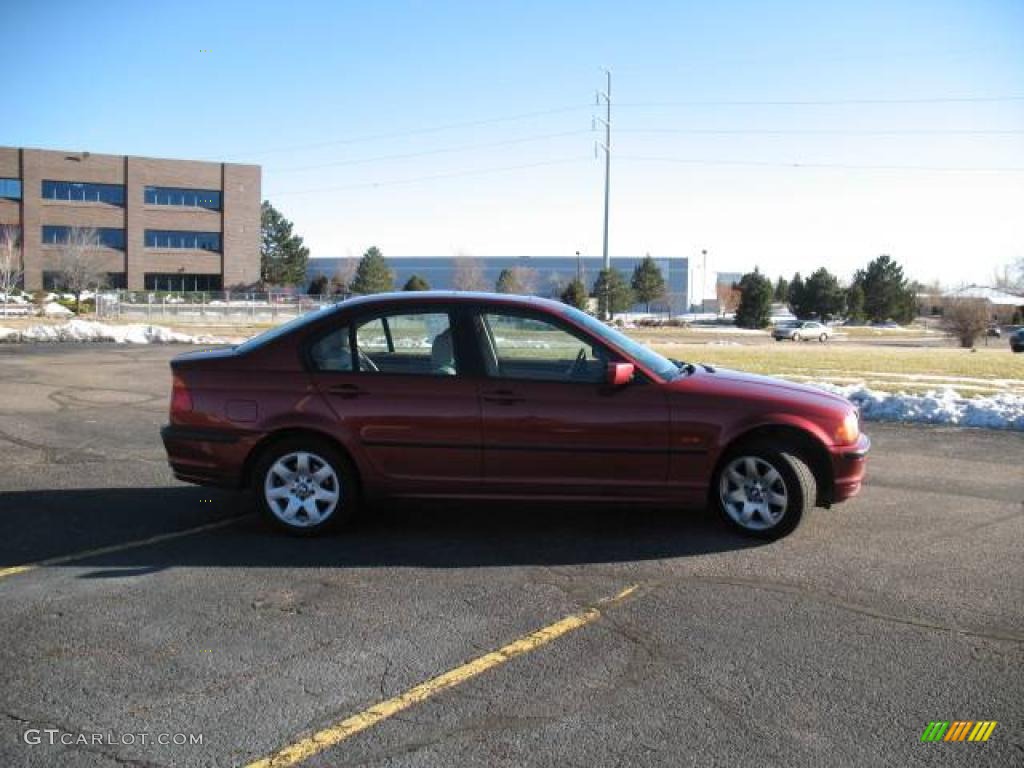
point(281, 330)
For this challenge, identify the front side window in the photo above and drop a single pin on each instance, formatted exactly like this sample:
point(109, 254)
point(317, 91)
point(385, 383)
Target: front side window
point(10, 189)
point(519, 347)
point(111, 194)
point(407, 343)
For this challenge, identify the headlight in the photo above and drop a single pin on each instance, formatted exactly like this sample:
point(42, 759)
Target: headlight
point(849, 430)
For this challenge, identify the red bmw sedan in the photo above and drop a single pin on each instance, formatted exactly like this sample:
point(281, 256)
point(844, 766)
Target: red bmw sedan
point(487, 396)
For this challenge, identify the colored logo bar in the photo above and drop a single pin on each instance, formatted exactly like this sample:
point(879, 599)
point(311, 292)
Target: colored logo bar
point(958, 730)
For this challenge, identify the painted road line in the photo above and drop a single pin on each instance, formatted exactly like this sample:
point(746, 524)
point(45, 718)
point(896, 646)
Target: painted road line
point(303, 749)
point(16, 569)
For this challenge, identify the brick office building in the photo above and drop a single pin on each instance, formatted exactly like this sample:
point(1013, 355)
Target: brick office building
point(161, 224)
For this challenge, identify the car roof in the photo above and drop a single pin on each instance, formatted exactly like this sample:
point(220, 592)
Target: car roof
point(461, 297)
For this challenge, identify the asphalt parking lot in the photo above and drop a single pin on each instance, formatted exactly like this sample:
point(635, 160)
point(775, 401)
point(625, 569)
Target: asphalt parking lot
point(835, 646)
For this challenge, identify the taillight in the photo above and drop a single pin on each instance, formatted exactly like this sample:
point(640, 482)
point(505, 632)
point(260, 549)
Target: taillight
point(181, 399)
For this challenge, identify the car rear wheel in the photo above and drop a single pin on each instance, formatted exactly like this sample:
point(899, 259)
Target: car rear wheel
point(764, 491)
point(823, 338)
point(305, 486)
point(795, 337)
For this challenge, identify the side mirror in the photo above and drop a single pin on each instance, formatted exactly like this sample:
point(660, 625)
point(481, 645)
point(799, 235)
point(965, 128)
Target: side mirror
point(620, 374)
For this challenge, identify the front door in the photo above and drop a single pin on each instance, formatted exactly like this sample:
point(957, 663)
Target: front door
point(552, 426)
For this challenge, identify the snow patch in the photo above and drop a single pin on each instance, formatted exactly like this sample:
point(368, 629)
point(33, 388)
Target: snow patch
point(943, 406)
point(90, 330)
point(53, 309)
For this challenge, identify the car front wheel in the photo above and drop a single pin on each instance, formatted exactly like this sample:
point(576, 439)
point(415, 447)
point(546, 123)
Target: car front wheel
point(763, 491)
point(305, 486)
point(823, 338)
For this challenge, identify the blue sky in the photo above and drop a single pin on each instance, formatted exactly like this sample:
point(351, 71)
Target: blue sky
point(452, 128)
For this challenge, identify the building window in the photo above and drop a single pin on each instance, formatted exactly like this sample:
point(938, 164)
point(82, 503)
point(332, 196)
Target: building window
point(111, 194)
point(180, 281)
point(54, 281)
point(107, 237)
point(201, 241)
point(188, 198)
point(10, 189)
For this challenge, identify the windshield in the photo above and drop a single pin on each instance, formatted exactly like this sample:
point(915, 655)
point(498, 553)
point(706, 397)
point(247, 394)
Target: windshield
point(646, 356)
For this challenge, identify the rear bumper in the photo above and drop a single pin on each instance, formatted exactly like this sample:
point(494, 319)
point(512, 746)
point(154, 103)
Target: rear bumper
point(208, 456)
point(849, 463)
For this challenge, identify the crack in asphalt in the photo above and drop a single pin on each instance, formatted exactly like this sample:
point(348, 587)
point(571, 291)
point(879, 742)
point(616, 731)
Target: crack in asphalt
point(835, 601)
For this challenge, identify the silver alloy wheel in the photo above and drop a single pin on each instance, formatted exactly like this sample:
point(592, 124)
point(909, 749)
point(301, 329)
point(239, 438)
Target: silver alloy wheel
point(753, 493)
point(302, 489)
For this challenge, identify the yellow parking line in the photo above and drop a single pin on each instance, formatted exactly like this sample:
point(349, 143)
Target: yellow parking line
point(303, 749)
point(16, 569)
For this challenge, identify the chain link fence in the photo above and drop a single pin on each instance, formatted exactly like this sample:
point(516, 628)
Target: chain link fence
point(208, 307)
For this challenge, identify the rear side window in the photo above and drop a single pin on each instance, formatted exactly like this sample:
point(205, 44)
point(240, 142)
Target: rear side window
point(407, 343)
point(333, 352)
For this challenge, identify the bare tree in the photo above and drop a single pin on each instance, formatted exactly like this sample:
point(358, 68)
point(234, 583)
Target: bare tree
point(728, 296)
point(526, 278)
point(343, 275)
point(78, 265)
point(468, 274)
point(965, 319)
point(11, 265)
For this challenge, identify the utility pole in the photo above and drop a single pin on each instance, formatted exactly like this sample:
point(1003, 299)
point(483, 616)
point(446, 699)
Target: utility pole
point(607, 147)
point(704, 279)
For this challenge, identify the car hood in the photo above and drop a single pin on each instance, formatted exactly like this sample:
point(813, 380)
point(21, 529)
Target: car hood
point(769, 386)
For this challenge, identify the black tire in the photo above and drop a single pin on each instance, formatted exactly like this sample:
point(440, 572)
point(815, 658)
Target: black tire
point(795, 337)
point(320, 453)
point(800, 488)
point(823, 338)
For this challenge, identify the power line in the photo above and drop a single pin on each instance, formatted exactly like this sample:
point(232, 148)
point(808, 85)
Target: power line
point(832, 131)
point(826, 166)
point(418, 131)
point(424, 153)
point(822, 102)
point(434, 177)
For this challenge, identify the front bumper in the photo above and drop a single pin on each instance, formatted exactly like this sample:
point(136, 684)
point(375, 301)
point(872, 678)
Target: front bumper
point(208, 456)
point(849, 463)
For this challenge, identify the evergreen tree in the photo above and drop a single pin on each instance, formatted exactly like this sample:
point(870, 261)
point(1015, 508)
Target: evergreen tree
point(795, 295)
point(782, 290)
point(887, 296)
point(416, 283)
point(822, 296)
point(373, 275)
point(318, 286)
point(507, 282)
point(575, 294)
point(756, 295)
point(612, 293)
point(648, 283)
point(855, 303)
point(283, 257)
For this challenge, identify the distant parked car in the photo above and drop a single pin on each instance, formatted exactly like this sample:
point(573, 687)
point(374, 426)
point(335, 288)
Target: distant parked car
point(994, 331)
point(1017, 340)
point(802, 331)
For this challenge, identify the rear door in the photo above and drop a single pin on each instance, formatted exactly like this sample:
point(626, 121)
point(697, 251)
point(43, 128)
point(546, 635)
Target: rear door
point(397, 388)
point(551, 425)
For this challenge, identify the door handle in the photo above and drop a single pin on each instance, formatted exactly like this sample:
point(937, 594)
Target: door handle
point(346, 390)
point(503, 397)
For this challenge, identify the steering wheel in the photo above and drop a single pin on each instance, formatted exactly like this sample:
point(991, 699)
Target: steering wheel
point(366, 364)
point(578, 365)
